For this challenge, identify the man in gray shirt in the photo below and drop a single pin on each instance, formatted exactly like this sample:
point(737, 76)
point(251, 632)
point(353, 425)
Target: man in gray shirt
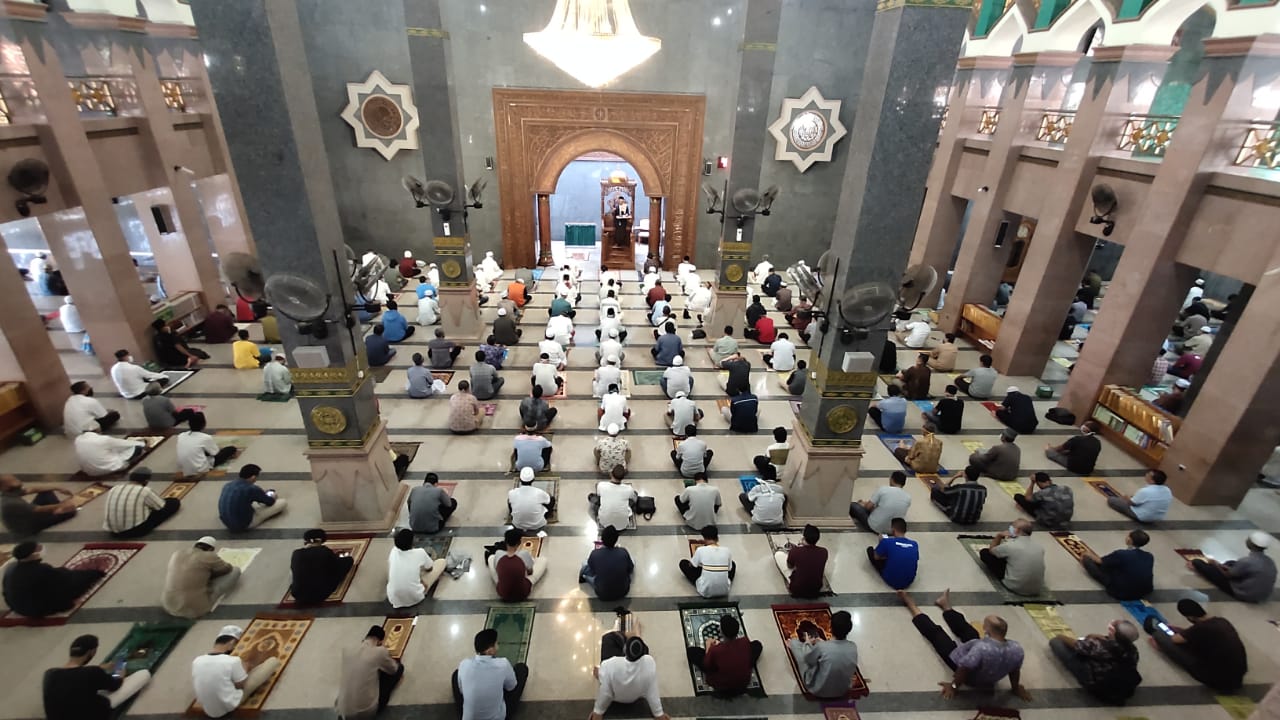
point(827, 665)
point(1250, 579)
point(160, 412)
point(699, 503)
point(1015, 559)
point(979, 381)
point(531, 451)
point(430, 506)
point(485, 382)
point(442, 352)
point(724, 347)
point(488, 687)
point(1002, 462)
point(691, 456)
point(420, 378)
point(886, 503)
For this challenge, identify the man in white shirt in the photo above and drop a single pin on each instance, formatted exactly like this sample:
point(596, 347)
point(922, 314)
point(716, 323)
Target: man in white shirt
point(649, 281)
point(683, 413)
point(610, 322)
point(699, 302)
point(410, 571)
point(428, 310)
point(553, 350)
point(782, 353)
point(626, 673)
point(711, 569)
point(692, 455)
point(560, 328)
point(566, 290)
point(613, 409)
point(685, 267)
point(529, 505)
point(197, 452)
point(69, 316)
point(222, 680)
point(612, 503)
point(608, 300)
point(761, 270)
point(913, 333)
point(1195, 293)
point(82, 412)
point(130, 379)
point(545, 376)
point(607, 374)
point(101, 455)
point(610, 346)
point(677, 378)
point(276, 378)
point(699, 503)
point(766, 502)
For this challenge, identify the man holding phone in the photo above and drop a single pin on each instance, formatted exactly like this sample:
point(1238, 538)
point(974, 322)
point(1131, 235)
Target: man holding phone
point(316, 569)
point(1209, 648)
point(80, 691)
point(243, 505)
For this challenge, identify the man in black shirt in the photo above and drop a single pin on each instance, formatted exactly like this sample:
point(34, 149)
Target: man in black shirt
point(743, 412)
point(608, 568)
point(317, 570)
point(739, 374)
point(963, 502)
point(1080, 452)
point(80, 691)
point(1126, 574)
point(1210, 649)
point(171, 350)
point(771, 284)
point(755, 311)
point(947, 413)
point(36, 589)
point(1018, 412)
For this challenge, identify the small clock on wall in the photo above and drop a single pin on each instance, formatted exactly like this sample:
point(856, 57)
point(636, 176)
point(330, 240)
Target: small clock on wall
point(383, 115)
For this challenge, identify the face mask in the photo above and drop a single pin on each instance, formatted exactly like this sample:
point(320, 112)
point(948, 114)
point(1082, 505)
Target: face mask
point(1085, 430)
point(1013, 531)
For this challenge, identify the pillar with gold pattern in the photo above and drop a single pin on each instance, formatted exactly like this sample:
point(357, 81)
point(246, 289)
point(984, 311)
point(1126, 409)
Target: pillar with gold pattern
point(730, 306)
point(459, 299)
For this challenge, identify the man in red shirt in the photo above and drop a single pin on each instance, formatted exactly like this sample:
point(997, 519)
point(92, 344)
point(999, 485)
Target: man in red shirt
point(514, 571)
point(727, 663)
point(408, 266)
point(763, 331)
point(807, 564)
point(656, 293)
point(220, 326)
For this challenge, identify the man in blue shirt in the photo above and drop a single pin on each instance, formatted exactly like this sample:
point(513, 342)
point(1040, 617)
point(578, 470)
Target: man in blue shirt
point(1150, 504)
point(395, 327)
point(608, 568)
point(660, 311)
point(743, 413)
point(1126, 574)
point(896, 556)
point(890, 413)
point(376, 347)
point(487, 687)
point(425, 288)
point(667, 347)
point(243, 505)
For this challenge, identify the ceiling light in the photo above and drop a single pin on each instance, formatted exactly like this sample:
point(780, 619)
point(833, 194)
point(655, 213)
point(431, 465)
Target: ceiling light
point(595, 41)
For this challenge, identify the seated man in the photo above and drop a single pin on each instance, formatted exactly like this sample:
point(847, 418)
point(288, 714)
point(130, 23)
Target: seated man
point(219, 327)
point(609, 568)
point(560, 329)
point(243, 505)
point(896, 557)
point(514, 571)
point(543, 376)
point(36, 589)
point(766, 502)
point(947, 413)
point(429, 307)
point(1051, 505)
point(430, 506)
point(222, 681)
point(133, 509)
point(1001, 462)
point(411, 573)
point(505, 330)
point(890, 413)
point(613, 503)
point(612, 451)
point(804, 565)
point(692, 455)
point(80, 691)
point(827, 666)
point(607, 374)
point(743, 412)
point(886, 503)
point(196, 580)
point(978, 382)
point(667, 347)
point(246, 354)
point(531, 451)
point(711, 569)
point(915, 380)
point(197, 451)
point(317, 570)
point(487, 686)
point(762, 331)
point(276, 378)
point(1017, 411)
point(101, 455)
point(441, 352)
point(495, 353)
point(395, 327)
point(739, 370)
point(1127, 573)
point(378, 348)
point(529, 506)
point(611, 347)
point(683, 412)
point(698, 503)
point(724, 347)
point(485, 381)
point(797, 380)
point(82, 412)
point(677, 378)
point(771, 283)
point(627, 673)
point(1105, 665)
point(535, 413)
point(912, 333)
point(160, 412)
point(924, 454)
point(943, 355)
point(613, 409)
point(1250, 579)
point(1080, 452)
point(979, 660)
point(421, 383)
point(25, 519)
point(1148, 505)
point(962, 502)
point(171, 350)
point(727, 663)
point(518, 292)
point(782, 354)
point(1209, 648)
point(131, 378)
point(1015, 559)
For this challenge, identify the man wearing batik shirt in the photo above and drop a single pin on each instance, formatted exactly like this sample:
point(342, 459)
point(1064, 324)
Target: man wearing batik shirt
point(977, 660)
point(1105, 665)
point(612, 451)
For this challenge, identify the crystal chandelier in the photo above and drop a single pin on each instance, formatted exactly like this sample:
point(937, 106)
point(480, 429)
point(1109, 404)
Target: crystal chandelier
point(595, 41)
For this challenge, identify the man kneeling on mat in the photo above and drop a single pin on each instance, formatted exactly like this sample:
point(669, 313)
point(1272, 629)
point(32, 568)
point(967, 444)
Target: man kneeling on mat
point(727, 663)
point(977, 661)
point(627, 672)
point(827, 666)
point(1105, 665)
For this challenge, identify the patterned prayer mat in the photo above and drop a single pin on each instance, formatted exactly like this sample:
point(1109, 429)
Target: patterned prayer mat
point(840, 712)
point(563, 392)
point(722, 403)
point(972, 445)
point(812, 620)
point(1141, 610)
point(107, 557)
point(398, 631)
point(406, 448)
point(924, 405)
point(888, 379)
point(785, 541)
point(747, 482)
point(148, 644)
point(996, 714)
point(268, 636)
point(700, 622)
point(177, 490)
point(444, 376)
point(87, 494)
point(1011, 487)
point(489, 409)
point(1238, 707)
point(353, 546)
point(437, 546)
point(532, 544)
point(1047, 618)
point(380, 374)
point(647, 377)
point(930, 480)
point(694, 544)
point(176, 378)
point(1103, 487)
point(1190, 554)
point(550, 484)
point(973, 544)
point(675, 443)
point(514, 624)
point(891, 441)
point(1072, 543)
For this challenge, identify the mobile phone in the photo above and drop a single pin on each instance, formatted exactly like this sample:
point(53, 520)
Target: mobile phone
point(271, 493)
point(118, 671)
point(1165, 628)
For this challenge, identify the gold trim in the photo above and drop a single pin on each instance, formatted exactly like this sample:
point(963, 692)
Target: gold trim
point(733, 272)
point(323, 444)
point(771, 47)
point(828, 442)
point(325, 376)
point(827, 377)
point(328, 419)
point(883, 5)
point(842, 419)
point(426, 32)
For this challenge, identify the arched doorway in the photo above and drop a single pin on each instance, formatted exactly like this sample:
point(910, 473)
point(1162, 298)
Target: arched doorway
point(539, 132)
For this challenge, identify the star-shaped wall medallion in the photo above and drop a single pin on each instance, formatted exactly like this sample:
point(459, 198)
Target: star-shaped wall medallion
point(807, 129)
point(382, 114)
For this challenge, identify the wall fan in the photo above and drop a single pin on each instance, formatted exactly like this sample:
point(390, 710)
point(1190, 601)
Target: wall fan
point(31, 178)
point(439, 195)
point(802, 277)
point(302, 300)
point(917, 281)
point(863, 306)
point(1105, 204)
point(244, 275)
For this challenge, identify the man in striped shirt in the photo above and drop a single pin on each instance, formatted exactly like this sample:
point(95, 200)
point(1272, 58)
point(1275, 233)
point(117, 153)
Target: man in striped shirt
point(133, 509)
point(961, 502)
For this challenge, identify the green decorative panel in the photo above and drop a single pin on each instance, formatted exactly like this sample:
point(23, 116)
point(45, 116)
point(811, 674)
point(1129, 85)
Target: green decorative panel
point(1131, 9)
point(988, 15)
point(1050, 10)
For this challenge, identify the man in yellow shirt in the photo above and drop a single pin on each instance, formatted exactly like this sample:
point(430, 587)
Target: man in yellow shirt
point(245, 354)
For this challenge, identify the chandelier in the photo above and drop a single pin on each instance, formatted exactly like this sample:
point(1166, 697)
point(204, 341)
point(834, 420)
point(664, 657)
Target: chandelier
point(595, 41)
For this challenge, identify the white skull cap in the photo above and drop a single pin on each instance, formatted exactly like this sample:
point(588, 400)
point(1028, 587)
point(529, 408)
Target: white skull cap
point(612, 429)
point(677, 361)
point(526, 475)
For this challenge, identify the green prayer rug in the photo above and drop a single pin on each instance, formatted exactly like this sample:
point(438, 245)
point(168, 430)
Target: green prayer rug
point(647, 377)
point(973, 545)
point(514, 624)
point(437, 546)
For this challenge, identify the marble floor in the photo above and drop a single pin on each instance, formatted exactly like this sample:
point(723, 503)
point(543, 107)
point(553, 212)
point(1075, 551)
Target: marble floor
point(901, 669)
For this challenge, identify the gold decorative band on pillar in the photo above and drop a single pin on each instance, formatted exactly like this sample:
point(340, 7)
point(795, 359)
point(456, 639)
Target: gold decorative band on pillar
point(451, 255)
point(839, 384)
point(884, 5)
point(734, 258)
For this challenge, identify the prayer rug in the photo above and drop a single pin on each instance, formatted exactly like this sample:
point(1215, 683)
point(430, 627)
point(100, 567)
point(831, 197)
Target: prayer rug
point(748, 482)
point(444, 376)
point(1047, 618)
point(550, 484)
point(723, 377)
point(1103, 487)
point(176, 378)
point(675, 442)
point(972, 446)
point(437, 546)
point(1141, 610)
point(996, 714)
point(380, 374)
point(406, 448)
point(1062, 361)
point(811, 620)
point(1190, 554)
point(1072, 544)
point(355, 546)
point(1238, 707)
point(108, 557)
point(398, 630)
point(891, 441)
point(266, 636)
point(888, 379)
point(448, 487)
point(973, 544)
point(1011, 487)
point(647, 377)
point(240, 557)
point(722, 404)
point(694, 544)
point(87, 494)
point(840, 712)
point(930, 480)
point(177, 490)
point(489, 408)
point(701, 622)
point(993, 407)
point(924, 405)
point(532, 544)
point(147, 644)
point(514, 624)
point(784, 541)
point(275, 397)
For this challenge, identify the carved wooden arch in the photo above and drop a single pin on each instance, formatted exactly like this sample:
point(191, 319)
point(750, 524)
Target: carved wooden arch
point(538, 132)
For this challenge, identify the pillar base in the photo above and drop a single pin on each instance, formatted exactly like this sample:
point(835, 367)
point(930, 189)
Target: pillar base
point(460, 313)
point(729, 308)
point(545, 259)
point(821, 484)
point(357, 486)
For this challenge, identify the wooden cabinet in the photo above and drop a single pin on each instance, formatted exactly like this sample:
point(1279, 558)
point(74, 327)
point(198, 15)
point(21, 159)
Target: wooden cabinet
point(16, 413)
point(182, 312)
point(1138, 427)
point(979, 324)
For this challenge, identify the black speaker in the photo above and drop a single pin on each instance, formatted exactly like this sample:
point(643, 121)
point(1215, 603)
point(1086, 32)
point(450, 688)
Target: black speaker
point(1000, 234)
point(162, 221)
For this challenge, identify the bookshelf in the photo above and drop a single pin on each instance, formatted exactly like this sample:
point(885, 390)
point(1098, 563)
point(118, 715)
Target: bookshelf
point(980, 325)
point(1138, 427)
point(183, 311)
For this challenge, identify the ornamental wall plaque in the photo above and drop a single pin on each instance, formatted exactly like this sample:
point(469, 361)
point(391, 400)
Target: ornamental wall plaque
point(328, 419)
point(807, 129)
point(842, 419)
point(383, 115)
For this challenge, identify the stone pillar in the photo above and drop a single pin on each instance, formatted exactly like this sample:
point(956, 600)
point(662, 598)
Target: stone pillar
point(544, 231)
point(891, 147)
point(28, 354)
point(1059, 255)
point(655, 227)
point(274, 138)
